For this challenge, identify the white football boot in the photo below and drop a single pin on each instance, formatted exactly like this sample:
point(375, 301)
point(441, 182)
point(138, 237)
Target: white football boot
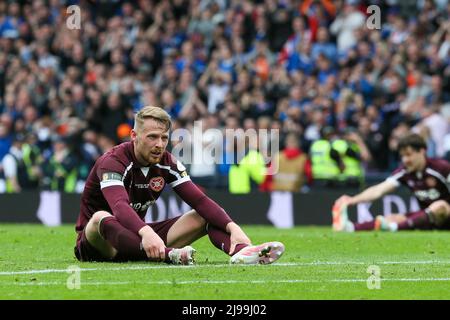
point(184, 256)
point(265, 253)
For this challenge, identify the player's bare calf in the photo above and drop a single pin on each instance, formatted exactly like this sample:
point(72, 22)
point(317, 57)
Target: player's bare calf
point(95, 238)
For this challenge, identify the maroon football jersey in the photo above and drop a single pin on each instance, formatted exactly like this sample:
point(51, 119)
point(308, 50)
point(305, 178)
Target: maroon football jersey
point(118, 170)
point(429, 185)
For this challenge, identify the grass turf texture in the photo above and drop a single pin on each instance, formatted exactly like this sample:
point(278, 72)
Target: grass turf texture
point(317, 264)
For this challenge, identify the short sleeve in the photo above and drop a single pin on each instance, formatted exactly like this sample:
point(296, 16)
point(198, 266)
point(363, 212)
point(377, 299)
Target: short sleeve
point(396, 177)
point(111, 172)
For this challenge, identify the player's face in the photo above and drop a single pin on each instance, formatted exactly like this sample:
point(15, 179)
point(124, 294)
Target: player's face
point(150, 142)
point(412, 160)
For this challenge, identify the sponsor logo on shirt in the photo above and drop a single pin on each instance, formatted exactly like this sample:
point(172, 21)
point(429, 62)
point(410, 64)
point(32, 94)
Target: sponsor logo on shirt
point(142, 185)
point(156, 184)
point(142, 207)
point(431, 194)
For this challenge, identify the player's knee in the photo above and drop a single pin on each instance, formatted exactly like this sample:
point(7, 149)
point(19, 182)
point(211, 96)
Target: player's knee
point(98, 216)
point(199, 220)
point(440, 207)
point(440, 211)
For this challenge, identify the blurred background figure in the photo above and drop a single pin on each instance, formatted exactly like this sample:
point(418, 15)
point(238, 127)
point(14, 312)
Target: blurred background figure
point(21, 166)
point(61, 170)
point(13, 166)
point(290, 169)
point(249, 169)
point(327, 163)
point(355, 156)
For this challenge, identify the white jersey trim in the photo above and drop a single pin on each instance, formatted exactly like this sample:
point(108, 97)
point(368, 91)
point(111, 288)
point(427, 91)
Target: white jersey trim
point(173, 172)
point(439, 176)
point(394, 178)
point(126, 171)
point(110, 183)
point(179, 181)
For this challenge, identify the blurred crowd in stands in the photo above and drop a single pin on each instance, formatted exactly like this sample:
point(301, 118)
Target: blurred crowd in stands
point(339, 91)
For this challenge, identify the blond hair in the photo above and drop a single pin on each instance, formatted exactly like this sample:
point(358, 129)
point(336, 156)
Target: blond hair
point(156, 113)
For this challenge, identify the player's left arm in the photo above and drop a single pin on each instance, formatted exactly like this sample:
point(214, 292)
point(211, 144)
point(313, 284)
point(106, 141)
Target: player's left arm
point(181, 183)
point(205, 206)
point(211, 212)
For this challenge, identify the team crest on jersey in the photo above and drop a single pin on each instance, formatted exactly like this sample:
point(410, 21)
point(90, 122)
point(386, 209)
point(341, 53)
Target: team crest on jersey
point(431, 182)
point(157, 183)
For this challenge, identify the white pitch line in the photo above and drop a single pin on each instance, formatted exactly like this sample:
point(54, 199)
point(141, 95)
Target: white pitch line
point(292, 264)
point(214, 282)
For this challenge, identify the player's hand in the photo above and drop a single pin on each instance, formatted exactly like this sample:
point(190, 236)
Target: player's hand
point(152, 244)
point(237, 236)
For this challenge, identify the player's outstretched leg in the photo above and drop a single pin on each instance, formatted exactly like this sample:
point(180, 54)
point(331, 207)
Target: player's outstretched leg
point(265, 253)
point(433, 216)
point(341, 222)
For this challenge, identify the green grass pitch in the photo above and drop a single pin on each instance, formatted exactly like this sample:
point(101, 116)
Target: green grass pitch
point(317, 264)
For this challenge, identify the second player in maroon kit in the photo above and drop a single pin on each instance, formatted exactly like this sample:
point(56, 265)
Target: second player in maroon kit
point(429, 185)
point(429, 181)
point(127, 180)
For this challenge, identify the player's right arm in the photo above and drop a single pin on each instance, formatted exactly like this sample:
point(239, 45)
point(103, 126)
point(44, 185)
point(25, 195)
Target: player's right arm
point(110, 173)
point(152, 243)
point(370, 194)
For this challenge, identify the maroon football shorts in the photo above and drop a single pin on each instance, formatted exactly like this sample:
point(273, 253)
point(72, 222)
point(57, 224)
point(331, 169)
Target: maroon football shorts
point(84, 251)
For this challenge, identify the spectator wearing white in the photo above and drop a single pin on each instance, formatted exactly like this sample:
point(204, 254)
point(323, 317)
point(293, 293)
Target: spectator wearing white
point(204, 152)
point(437, 127)
point(346, 23)
point(215, 84)
point(11, 163)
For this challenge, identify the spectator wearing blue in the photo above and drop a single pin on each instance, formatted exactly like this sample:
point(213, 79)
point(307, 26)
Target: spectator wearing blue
point(5, 140)
point(323, 45)
point(300, 59)
point(325, 69)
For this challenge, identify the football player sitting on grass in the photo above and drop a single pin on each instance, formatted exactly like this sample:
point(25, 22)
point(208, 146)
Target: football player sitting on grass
point(125, 181)
point(428, 179)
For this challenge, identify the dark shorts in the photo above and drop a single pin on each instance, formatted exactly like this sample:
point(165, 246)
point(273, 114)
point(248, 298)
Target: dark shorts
point(84, 251)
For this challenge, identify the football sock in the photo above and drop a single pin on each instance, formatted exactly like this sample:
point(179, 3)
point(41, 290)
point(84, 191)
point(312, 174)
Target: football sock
point(221, 240)
point(365, 226)
point(417, 220)
point(126, 242)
